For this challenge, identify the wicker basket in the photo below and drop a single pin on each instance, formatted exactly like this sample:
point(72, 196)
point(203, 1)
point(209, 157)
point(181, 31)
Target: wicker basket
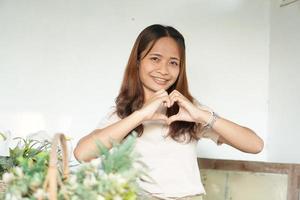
point(2, 187)
point(52, 179)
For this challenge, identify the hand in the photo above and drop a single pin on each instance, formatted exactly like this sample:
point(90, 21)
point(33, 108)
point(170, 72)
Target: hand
point(187, 110)
point(150, 108)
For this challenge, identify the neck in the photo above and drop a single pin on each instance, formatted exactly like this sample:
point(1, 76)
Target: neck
point(147, 95)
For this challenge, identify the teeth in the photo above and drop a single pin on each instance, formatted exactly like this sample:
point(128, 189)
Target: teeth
point(160, 80)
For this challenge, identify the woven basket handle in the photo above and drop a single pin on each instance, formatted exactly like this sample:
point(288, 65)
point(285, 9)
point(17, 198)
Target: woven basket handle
point(50, 183)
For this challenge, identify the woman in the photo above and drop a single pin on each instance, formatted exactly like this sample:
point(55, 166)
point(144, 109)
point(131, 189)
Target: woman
point(154, 100)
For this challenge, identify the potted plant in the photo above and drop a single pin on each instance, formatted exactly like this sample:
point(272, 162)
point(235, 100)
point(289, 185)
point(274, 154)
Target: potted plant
point(113, 176)
point(26, 150)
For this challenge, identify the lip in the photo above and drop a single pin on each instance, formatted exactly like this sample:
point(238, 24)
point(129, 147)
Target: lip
point(160, 81)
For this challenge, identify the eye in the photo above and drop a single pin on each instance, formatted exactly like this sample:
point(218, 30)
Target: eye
point(155, 59)
point(174, 63)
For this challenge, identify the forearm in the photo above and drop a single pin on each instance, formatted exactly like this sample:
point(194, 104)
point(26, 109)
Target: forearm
point(86, 148)
point(237, 136)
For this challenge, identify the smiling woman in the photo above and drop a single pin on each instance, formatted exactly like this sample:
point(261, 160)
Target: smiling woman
point(159, 69)
point(154, 100)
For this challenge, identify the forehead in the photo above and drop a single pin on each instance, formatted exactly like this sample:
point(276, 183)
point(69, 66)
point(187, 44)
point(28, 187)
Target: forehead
point(166, 46)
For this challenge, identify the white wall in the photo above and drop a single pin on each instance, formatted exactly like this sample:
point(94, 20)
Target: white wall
point(284, 110)
point(61, 62)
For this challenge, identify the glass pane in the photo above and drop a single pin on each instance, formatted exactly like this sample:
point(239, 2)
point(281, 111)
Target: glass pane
point(237, 185)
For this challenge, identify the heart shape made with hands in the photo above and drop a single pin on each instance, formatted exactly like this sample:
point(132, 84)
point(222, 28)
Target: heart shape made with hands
point(187, 110)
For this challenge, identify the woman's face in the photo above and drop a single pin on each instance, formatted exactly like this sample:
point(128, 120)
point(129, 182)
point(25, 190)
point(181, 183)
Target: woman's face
point(159, 69)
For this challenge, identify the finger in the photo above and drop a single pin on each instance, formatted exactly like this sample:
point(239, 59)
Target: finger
point(180, 99)
point(175, 92)
point(166, 104)
point(160, 92)
point(160, 117)
point(160, 96)
point(163, 93)
point(175, 98)
point(166, 100)
point(178, 94)
point(172, 100)
point(163, 96)
point(173, 118)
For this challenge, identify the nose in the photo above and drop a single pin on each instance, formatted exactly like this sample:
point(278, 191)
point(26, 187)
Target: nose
point(163, 68)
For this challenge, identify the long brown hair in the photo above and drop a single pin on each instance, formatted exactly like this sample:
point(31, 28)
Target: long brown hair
point(131, 95)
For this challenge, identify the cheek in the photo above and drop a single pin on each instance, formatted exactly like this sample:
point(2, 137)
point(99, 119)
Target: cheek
point(144, 68)
point(175, 73)
point(141, 69)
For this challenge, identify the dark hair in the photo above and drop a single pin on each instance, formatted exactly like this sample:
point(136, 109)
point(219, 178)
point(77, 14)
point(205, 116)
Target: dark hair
point(131, 95)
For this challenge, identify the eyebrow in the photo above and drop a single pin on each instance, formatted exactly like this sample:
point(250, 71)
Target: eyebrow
point(157, 54)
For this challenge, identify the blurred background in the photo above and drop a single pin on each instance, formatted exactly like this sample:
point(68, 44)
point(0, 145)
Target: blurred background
point(62, 62)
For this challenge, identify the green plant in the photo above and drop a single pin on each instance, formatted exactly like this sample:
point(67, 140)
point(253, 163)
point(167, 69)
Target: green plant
point(26, 149)
point(2, 136)
point(113, 176)
point(25, 179)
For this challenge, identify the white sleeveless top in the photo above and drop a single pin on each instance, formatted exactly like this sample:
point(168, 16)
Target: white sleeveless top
point(172, 165)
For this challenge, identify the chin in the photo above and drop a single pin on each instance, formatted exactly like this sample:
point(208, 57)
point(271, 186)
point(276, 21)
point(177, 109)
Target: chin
point(164, 88)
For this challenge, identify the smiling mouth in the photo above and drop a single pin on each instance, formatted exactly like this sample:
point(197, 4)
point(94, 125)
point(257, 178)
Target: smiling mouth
point(160, 81)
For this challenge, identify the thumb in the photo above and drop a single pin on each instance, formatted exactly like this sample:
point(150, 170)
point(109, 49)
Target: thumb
point(161, 117)
point(173, 118)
